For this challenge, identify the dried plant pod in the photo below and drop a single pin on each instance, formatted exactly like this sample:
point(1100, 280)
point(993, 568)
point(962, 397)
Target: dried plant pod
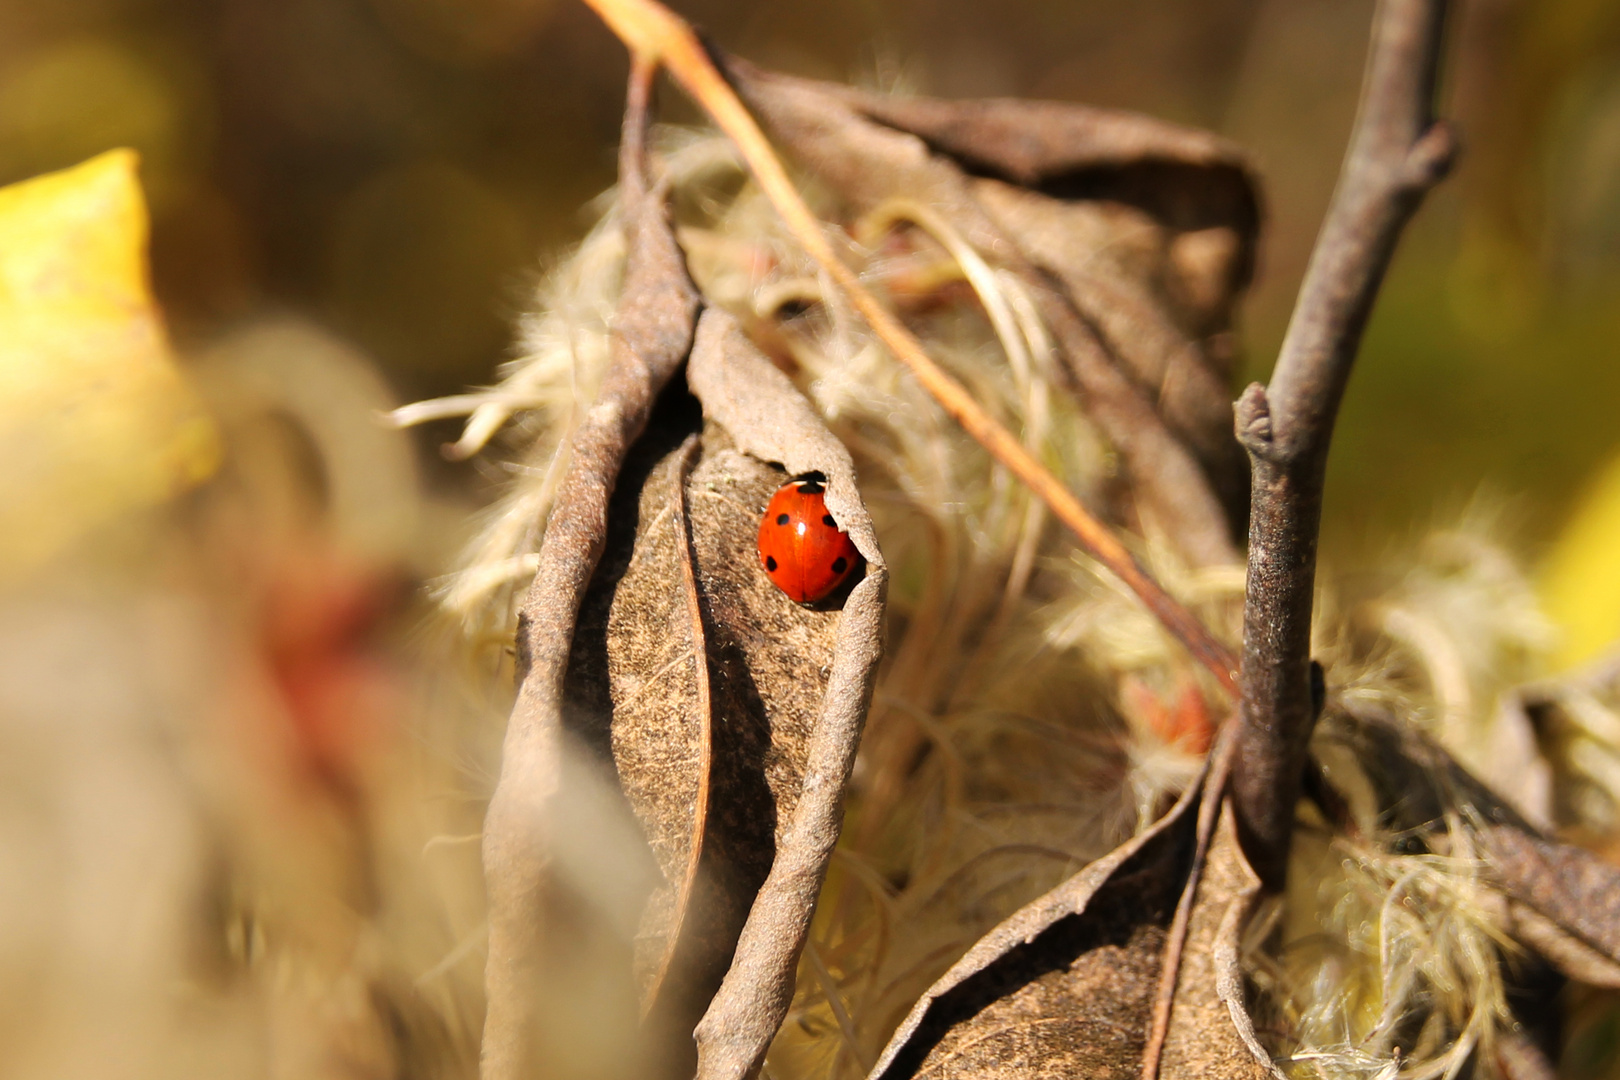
point(1068, 985)
point(1147, 360)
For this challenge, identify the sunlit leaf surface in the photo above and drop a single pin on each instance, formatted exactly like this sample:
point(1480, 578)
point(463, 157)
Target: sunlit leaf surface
point(95, 419)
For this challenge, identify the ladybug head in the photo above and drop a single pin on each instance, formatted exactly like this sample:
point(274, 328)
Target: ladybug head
point(811, 483)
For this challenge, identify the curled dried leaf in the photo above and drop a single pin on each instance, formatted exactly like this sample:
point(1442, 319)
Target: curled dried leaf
point(1068, 985)
point(1563, 901)
point(1068, 980)
point(1138, 297)
point(1150, 227)
point(638, 686)
point(729, 713)
point(1571, 956)
point(1036, 143)
point(1571, 887)
point(700, 681)
point(769, 421)
point(1211, 1032)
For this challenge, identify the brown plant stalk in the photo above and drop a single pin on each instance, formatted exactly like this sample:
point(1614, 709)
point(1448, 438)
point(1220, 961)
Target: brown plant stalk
point(1397, 152)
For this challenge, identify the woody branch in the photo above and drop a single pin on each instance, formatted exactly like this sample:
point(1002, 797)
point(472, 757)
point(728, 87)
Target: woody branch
point(1397, 153)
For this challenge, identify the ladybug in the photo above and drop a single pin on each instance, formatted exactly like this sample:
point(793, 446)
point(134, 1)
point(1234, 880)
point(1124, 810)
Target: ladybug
point(801, 547)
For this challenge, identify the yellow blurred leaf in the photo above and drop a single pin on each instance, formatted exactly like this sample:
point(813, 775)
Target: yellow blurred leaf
point(1580, 579)
point(95, 418)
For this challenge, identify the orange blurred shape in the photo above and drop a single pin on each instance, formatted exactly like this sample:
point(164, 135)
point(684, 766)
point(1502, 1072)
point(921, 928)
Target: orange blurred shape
point(320, 623)
point(1184, 721)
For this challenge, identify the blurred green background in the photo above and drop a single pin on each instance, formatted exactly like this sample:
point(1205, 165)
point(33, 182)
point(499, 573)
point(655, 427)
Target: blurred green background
point(399, 169)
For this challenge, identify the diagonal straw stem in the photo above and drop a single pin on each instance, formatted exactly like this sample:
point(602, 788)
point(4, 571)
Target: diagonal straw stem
point(655, 34)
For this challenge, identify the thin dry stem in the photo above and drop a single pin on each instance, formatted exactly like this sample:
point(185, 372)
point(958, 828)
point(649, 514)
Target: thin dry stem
point(1397, 152)
point(654, 32)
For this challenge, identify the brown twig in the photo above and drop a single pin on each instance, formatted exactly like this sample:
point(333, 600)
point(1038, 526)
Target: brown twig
point(1397, 152)
point(654, 33)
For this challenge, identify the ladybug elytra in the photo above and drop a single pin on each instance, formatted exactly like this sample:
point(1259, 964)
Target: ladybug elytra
point(801, 547)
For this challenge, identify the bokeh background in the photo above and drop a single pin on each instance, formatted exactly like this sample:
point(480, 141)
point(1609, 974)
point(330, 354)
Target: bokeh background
point(240, 796)
point(399, 170)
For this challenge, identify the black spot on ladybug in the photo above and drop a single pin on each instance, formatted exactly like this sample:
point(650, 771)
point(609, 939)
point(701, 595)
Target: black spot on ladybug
point(782, 519)
point(840, 564)
point(811, 487)
point(770, 563)
point(827, 520)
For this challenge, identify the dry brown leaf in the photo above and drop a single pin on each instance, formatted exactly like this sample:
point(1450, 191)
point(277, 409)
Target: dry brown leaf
point(1152, 255)
point(1571, 956)
point(729, 713)
point(1151, 228)
point(1129, 277)
point(638, 689)
point(1035, 143)
point(1562, 901)
point(1067, 986)
point(1211, 1032)
point(1574, 889)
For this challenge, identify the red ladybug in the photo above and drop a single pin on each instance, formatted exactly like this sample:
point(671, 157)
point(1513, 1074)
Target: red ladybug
point(802, 549)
